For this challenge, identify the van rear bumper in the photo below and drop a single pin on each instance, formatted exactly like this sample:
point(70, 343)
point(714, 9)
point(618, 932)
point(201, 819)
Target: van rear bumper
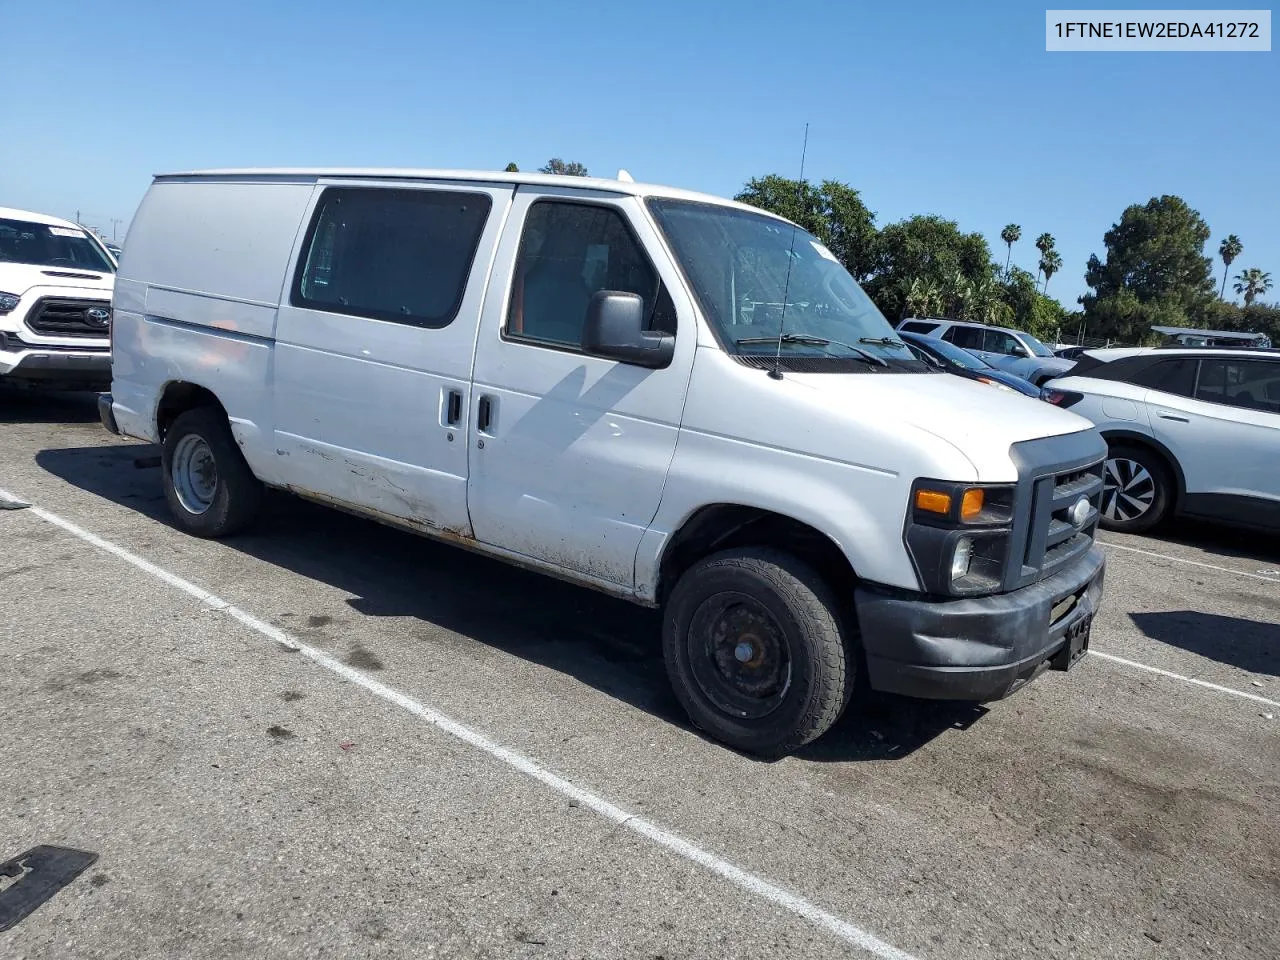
point(981, 648)
point(106, 414)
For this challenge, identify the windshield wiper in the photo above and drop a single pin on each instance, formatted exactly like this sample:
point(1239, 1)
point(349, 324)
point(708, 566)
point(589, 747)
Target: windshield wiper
point(882, 341)
point(814, 342)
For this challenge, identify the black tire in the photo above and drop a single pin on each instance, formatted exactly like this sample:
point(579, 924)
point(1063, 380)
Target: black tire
point(1138, 489)
point(236, 492)
point(781, 610)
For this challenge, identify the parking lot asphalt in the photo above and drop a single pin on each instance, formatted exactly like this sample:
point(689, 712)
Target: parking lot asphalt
point(360, 743)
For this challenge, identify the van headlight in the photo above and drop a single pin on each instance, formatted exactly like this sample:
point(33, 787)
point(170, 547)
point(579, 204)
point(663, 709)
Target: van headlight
point(958, 535)
point(960, 559)
point(8, 301)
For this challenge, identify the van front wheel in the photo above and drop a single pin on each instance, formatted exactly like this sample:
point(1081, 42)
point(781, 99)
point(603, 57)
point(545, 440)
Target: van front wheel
point(210, 489)
point(753, 647)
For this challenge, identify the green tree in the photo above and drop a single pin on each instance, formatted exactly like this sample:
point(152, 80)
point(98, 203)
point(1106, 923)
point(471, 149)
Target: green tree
point(1155, 272)
point(930, 248)
point(832, 211)
point(1228, 250)
point(923, 299)
point(1011, 234)
point(1252, 283)
point(1050, 263)
point(570, 168)
point(511, 168)
point(1018, 291)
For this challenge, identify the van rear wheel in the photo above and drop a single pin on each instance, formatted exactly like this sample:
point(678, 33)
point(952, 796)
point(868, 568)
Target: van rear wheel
point(210, 489)
point(754, 651)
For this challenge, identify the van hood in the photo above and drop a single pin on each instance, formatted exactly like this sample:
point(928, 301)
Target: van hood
point(979, 421)
point(18, 278)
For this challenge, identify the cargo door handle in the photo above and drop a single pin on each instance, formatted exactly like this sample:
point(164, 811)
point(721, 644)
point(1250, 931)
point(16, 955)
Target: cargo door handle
point(453, 408)
point(484, 414)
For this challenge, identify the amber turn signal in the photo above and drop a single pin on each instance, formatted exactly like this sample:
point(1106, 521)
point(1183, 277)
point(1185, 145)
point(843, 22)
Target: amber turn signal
point(933, 501)
point(971, 504)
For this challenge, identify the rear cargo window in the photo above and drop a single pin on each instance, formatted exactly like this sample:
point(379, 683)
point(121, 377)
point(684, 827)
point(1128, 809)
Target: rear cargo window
point(397, 255)
point(919, 326)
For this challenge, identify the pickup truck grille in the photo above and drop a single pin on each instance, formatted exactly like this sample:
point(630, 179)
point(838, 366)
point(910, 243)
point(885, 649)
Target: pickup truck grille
point(1046, 536)
point(65, 317)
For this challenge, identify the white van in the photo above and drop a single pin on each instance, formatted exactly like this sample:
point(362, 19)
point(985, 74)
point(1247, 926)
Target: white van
point(673, 398)
point(55, 303)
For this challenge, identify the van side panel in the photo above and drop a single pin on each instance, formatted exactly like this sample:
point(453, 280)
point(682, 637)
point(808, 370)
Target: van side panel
point(197, 302)
point(230, 240)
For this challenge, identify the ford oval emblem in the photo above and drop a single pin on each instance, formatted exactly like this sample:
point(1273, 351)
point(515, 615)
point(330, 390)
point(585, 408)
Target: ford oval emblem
point(1080, 511)
point(97, 317)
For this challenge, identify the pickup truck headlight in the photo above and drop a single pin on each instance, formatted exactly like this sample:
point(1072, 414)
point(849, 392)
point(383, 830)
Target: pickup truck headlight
point(8, 301)
point(958, 535)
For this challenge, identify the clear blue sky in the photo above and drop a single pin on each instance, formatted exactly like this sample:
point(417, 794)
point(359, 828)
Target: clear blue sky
point(924, 108)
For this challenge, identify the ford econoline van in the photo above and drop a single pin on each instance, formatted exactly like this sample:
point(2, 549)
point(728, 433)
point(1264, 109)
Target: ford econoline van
point(667, 396)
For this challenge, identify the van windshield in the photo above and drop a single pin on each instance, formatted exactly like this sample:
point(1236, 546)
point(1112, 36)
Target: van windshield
point(44, 245)
point(740, 263)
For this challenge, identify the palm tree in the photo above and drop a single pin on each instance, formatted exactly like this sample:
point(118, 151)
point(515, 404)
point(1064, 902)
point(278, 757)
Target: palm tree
point(1050, 264)
point(1044, 243)
point(1011, 234)
point(1228, 251)
point(1253, 283)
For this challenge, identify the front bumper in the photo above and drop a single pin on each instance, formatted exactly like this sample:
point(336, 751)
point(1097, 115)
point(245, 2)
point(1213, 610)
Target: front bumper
point(57, 365)
point(980, 648)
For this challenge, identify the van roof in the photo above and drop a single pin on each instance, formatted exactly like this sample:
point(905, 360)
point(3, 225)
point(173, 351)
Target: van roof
point(10, 213)
point(600, 184)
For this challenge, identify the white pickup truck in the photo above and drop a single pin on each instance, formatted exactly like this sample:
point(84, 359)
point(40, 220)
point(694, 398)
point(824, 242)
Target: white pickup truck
point(55, 299)
point(667, 396)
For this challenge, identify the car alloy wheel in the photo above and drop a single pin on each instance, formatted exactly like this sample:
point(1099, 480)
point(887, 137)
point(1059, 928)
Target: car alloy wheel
point(1128, 490)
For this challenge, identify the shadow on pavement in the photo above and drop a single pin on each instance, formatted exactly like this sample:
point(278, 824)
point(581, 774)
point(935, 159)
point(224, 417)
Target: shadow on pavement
point(21, 405)
point(1248, 644)
point(612, 645)
point(1225, 541)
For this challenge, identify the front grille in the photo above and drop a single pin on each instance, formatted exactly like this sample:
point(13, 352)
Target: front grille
point(1045, 538)
point(65, 317)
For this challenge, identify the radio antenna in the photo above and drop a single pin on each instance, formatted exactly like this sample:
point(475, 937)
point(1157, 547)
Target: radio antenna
point(776, 372)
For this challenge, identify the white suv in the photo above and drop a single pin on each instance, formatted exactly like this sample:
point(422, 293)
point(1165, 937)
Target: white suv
point(1189, 431)
point(1013, 351)
point(56, 281)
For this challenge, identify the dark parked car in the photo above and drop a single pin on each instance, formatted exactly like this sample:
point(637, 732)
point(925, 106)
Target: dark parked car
point(962, 363)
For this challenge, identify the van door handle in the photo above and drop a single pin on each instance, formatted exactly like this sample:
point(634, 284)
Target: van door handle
point(1174, 418)
point(453, 408)
point(484, 414)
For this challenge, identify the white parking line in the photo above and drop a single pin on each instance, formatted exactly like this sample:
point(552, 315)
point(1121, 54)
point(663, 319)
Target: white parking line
point(1194, 563)
point(1177, 676)
point(742, 878)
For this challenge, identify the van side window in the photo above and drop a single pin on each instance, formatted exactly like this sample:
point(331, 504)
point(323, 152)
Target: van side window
point(568, 252)
point(397, 255)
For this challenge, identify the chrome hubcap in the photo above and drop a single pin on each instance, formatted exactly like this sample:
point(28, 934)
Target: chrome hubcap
point(194, 473)
point(1128, 490)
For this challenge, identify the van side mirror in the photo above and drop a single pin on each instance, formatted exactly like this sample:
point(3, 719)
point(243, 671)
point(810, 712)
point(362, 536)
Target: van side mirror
point(615, 331)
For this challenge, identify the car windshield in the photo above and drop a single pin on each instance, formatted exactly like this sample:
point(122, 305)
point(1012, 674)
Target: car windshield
point(953, 354)
point(48, 245)
point(742, 264)
point(1038, 348)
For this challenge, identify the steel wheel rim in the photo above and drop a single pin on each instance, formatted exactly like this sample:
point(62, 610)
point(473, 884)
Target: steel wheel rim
point(194, 474)
point(739, 656)
point(1128, 490)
